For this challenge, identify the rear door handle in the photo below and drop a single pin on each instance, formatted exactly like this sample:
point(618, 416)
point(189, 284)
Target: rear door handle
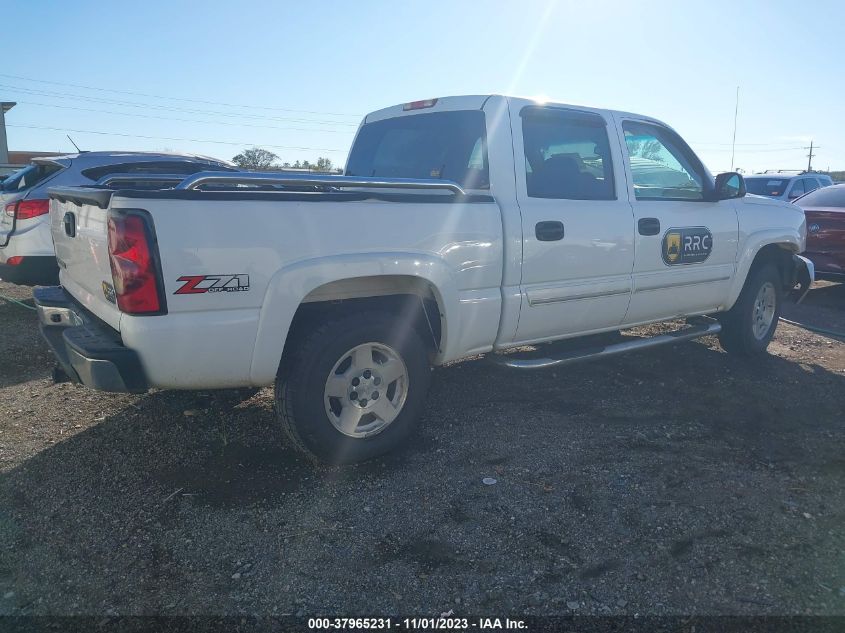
point(549, 231)
point(648, 226)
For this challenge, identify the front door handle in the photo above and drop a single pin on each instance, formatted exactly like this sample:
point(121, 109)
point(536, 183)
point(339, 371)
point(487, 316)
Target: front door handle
point(549, 231)
point(648, 226)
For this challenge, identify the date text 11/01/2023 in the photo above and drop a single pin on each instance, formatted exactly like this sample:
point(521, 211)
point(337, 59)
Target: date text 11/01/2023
point(414, 624)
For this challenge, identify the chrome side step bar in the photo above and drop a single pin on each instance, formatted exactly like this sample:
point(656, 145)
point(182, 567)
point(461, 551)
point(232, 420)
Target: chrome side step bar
point(694, 331)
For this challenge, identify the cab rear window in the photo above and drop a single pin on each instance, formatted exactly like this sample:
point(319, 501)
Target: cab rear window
point(439, 145)
point(824, 197)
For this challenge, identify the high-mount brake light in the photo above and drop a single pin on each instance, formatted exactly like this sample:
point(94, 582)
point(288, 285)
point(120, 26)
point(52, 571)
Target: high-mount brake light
point(133, 267)
point(419, 105)
point(27, 209)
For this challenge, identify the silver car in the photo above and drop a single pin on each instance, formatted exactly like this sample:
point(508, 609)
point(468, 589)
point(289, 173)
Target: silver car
point(785, 186)
point(26, 246)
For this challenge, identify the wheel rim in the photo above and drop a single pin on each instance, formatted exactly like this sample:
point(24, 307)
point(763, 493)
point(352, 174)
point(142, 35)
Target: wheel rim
point(764, 310)
point(366, 390)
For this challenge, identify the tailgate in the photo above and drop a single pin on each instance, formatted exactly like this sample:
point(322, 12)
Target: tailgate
point(79, 224)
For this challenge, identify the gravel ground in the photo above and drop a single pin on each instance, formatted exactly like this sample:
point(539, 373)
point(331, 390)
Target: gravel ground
point(676, 481)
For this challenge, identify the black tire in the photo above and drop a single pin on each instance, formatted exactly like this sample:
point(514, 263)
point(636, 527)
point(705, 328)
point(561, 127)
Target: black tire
point(301, 384)
point(738, 335)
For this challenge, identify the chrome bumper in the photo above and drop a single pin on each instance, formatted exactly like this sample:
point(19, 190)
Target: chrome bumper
point(89, 351)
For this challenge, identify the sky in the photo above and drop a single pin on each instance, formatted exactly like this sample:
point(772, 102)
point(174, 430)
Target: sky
point(296, 78)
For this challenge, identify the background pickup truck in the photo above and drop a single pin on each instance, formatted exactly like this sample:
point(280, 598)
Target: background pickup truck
point(463, 225)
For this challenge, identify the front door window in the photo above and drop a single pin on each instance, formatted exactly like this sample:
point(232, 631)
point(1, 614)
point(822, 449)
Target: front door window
point(660, 166)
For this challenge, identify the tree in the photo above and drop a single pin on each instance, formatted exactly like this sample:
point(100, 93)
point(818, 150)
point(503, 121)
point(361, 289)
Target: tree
point(255, 158)
point(323, 164)
point(652, 150)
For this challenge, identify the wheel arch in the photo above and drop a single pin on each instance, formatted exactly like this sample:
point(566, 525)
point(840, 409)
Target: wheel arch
point(775, 246)
point(310, 288)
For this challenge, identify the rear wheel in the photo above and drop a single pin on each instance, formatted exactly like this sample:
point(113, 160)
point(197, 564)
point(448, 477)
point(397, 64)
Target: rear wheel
point(749, 326)
point(353, 388)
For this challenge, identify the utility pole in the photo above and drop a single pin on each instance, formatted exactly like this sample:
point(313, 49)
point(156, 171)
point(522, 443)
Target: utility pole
point(733, 144)
point(810, 156)
point(5, 106)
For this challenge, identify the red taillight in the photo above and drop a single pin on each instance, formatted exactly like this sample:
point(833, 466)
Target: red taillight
point(133, 269)
point(14, 261)
point(27, 209)
point(419, 105)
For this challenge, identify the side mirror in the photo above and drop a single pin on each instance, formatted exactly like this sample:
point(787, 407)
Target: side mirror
point(728, 186)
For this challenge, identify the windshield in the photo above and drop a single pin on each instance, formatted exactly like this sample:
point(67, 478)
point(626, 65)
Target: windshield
point(825, 197)
point(439, 145)
point(28, 177)
point(772, 187)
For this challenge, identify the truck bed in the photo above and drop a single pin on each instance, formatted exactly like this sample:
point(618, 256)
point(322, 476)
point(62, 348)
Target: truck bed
point(259, 254)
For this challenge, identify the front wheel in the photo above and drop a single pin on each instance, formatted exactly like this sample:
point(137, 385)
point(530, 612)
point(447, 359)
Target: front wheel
point(353, 388)
point(749, 326)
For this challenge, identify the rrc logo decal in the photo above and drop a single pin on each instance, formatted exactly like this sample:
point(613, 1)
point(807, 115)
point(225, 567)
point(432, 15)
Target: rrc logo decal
point(199, 284)
point(689, 245)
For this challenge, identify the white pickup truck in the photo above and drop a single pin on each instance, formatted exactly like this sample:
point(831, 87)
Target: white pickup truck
point(463, 226)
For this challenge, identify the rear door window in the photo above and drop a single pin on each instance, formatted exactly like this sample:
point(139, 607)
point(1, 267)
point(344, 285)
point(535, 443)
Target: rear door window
point(567, 155)
point(810, 184)
point(28, 177)
point(438, 145)
point(824, 197)
point(186, 167)
point(797, 188)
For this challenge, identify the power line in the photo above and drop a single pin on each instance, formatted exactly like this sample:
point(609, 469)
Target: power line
point(167, 118)
point(754, 151)
point(153, 96)
point(60, 95)
point(731, 144)
point(172, 138)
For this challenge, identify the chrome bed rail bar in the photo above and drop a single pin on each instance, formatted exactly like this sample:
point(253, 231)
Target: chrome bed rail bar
point(310, 180)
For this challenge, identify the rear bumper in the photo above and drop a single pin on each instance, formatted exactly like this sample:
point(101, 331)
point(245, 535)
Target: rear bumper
point(33, 270)
point(89, 351)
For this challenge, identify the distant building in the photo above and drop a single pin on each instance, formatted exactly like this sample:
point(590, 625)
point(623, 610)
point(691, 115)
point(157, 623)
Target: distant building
point(24, 158)
point(11, 161)
point(5, 106)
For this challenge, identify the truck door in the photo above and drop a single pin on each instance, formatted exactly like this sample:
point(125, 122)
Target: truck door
point(685, 245)
point(577, 224)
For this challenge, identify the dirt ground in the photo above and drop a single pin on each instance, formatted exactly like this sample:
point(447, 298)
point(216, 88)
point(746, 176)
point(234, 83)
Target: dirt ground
point(676, 481)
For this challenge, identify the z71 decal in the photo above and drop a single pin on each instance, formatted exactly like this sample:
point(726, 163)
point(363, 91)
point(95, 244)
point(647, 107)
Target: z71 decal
point(199, 284)
point(688, 245)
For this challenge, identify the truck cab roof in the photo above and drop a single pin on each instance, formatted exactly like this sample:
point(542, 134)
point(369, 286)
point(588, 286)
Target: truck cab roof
point(477, 102)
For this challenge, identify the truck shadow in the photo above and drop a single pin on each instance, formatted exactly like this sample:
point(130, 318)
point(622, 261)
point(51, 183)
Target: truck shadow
point(823, 307)
point(680, 421)
point(25, 355)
